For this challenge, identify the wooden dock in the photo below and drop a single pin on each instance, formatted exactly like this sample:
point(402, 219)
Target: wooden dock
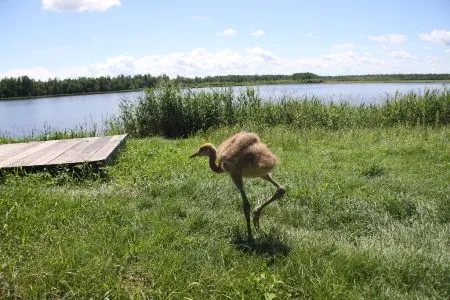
point(59, 152)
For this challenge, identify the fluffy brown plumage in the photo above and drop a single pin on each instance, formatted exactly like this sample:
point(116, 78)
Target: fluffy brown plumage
point(243, 155)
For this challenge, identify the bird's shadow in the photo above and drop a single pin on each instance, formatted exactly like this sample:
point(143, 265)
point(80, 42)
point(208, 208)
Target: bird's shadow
point(269, 244)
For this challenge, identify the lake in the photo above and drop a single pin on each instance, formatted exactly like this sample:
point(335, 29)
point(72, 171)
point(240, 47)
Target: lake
point(20, 118)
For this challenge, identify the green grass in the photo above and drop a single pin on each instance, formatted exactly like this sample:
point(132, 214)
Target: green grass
point(48, 133)
point(366, 215)
point(168, 110)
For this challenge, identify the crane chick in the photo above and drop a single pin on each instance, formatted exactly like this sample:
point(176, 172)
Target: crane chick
point(244, 155)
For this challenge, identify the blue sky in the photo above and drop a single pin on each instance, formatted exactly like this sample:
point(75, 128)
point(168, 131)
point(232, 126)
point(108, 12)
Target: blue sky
point(62, 38)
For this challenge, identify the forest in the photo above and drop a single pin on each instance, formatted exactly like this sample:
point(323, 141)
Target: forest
point(25, 87)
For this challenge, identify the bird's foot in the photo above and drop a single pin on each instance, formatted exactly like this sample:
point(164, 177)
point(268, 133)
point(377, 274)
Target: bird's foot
point(280, 192)
point(256, 216)
point(250, 239)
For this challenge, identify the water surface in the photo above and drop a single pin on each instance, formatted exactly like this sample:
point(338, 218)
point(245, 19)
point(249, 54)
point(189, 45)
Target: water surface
point(33, 116)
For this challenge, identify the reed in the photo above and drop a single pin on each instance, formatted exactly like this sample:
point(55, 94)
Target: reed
point(171, 111)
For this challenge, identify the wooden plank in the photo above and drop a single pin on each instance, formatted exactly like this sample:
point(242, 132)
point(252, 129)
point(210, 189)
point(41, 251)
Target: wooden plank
point(106, 151)
point(8, 150)
point(27, 152)
point(39, 154)
point(81, 151)
point(43, 156)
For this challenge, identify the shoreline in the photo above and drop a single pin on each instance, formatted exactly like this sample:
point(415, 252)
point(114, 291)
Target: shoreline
point(225, 85)
point(67, 95)
point(318, 83)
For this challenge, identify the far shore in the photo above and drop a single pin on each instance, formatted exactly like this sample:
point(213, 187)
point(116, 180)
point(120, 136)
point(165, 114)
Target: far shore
point(67, 95)
point(291, 82)
point(224, 84)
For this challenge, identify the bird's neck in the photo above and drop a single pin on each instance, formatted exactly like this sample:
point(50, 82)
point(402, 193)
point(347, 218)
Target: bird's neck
point(213, 161)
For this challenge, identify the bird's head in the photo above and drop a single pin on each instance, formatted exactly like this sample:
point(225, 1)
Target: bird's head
point(207, 149)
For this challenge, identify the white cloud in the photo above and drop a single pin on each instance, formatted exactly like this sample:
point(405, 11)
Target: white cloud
point(401, 54)
point(198, 62)
point(383, 48)
point(350, 60)
point(257, 33)
point(342, 47)
point(204, 62)
point(260, 52)
point(203, 18)
point(79, 5)
point(432, 60)
point(36, 72)
point(393, 38)
point(228, 32)
point(311, 35)
point(437, 36)
point(447, 50)
point(258, 56)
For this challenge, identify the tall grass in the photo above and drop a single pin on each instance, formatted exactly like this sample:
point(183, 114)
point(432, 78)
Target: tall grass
point(49, 133)
point(168, 110)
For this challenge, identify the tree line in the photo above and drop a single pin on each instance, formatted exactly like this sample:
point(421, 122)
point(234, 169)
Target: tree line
point(303, 78)
point(247, 79)
point(24, 86)
point(387, 77)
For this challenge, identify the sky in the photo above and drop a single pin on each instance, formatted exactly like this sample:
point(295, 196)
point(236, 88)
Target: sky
point(71, 38)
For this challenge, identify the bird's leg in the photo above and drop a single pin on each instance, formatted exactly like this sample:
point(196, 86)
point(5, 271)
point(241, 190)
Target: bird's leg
point(258, 209)
point(246, 208)
point(245, 204)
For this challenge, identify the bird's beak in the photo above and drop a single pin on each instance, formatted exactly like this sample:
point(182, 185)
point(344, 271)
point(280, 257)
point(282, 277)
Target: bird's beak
point(194, 155)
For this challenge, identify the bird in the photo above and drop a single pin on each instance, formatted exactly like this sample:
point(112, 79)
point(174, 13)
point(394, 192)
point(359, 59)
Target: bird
point(244, 155)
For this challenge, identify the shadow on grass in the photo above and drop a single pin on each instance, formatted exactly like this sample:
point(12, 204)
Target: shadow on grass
point(269, 244)
point(373, 171)
point(61, 174)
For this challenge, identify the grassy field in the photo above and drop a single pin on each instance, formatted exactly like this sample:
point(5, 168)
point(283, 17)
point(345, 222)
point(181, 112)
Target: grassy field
point(366, 215)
